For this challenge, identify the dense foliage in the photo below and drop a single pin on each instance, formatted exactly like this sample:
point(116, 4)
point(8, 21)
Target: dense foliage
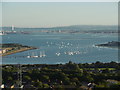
point(7, 45)
point(69, 75)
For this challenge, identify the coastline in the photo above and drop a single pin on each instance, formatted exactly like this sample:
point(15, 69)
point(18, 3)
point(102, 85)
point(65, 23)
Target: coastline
point(17, 51)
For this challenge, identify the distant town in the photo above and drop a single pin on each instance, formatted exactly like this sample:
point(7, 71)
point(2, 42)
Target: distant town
point(67, 29)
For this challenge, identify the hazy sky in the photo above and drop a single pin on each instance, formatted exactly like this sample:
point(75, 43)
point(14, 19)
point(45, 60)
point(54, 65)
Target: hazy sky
point(50, 14)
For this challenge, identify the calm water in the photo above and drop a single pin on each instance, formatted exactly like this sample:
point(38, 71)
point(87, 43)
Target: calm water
point(81, 45)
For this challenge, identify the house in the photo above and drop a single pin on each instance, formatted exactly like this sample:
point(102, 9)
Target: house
point(2, 51)
point(2, 86)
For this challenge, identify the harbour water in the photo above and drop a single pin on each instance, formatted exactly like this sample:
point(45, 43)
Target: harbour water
point(60, 47)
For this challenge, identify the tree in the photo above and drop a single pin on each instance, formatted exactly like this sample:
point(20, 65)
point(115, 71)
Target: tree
point(10, 78)
point(66, 80)
point(38, 84)
point(27, 78)
point(45, 85)
point(72, 66)
point(75, 79)
point(106, 70)
point(45, 78)
point(117, 86)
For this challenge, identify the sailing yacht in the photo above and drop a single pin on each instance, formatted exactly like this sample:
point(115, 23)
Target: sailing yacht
point(28, 55)
point(42, 54)
point(35, 56)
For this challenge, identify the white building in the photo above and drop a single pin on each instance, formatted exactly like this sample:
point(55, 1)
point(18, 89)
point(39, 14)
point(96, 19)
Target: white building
point(2, 51)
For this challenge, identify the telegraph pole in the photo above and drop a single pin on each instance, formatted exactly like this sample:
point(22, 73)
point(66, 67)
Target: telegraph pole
point(19, 75)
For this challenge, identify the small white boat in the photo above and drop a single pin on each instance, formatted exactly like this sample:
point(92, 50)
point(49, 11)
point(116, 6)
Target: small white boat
point(69, 53)
point(28, 56)
point(33, 55)
point(58, 54)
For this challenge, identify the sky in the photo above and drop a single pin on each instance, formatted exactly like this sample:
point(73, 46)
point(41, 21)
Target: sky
point(59, 0)
point(52, 14)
